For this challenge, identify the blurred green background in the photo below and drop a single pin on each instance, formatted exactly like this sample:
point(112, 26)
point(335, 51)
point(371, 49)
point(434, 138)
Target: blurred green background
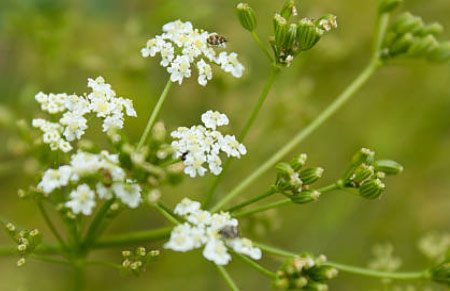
point(402, 113)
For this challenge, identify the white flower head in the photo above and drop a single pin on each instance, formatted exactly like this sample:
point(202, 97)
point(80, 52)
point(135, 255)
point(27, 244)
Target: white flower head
point(182, 47)
point(205, 229)
point(82, 200)
point(54, 179)
point(202, 144)
point(128, 193)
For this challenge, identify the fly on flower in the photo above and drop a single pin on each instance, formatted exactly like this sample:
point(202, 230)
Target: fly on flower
point(183, 47)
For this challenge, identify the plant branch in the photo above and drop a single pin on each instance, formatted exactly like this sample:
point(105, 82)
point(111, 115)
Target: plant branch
point(133, 238)
point(262, 46)
point(266, 194)
point(94, 229)
point(50, 225)
point(166, 214)
point(227, 278)
point(256, 266)
point(154, 114)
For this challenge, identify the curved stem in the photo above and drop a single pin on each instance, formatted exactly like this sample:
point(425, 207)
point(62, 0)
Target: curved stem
point(133, 238)
point(262, 46)
point(154, 114)
point(266, 194)
point(94, 229)
point(227, 278)
point(302, 134)
point(379, 274)
point(50, 225)
point(273, 73)
point(256, 266)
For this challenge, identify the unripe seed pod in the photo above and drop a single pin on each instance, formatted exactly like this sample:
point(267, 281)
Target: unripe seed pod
point(423, 46)
point(362, 173)
point(311, 175)
point(371, 189)
point(323, 273)
point(433, 28)
point(284, 170)
point(388, 167)
point(247, 16)
point(281, 283)
point(387, 6)
point(308, 34)
point(280, 27)
point(327, 22)
point(364, 155)
point(291, 36)
point(402, 44)
point(298, 162)
point(301, 282)
point(288, 9)
point(440, 54)
point(316, 286)
point(407, 22)
point(305, 196)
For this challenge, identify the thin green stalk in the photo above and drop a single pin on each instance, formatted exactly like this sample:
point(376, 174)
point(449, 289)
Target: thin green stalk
point(262, 46)
point(50, 260)
point(171, 162)
point(43, 248)
point(380, 31)
point(256, 266)
point(266, 194)
point(273, 74)
point(50, 225)
point(166, 214)
point(154, 114)
point(281, 202)
point(351, 269)
point(78, 276)
point(302, 134)
point(379, 274)
point(133, 238)
point(94, 229)
point(227, 278)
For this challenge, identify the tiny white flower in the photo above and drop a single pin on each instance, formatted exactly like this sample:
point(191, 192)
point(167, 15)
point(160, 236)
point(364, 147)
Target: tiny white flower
point(181, 239)
point(179, 69)
point(187, 206)
point(128, 193)
point(82, 200)
point(245, 246)
point(103, 192)
point(216, 251)
point(212, 119)
point(55, 178)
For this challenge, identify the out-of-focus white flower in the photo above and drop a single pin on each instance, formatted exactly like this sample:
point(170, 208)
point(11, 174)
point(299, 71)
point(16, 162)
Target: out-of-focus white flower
point(180, 45)
point(202, 144)
point(82, 200)
point(102, 101)
point(216, 232)
point(128, 193)
point(55, 178)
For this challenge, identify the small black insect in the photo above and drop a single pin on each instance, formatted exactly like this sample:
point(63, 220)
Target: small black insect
point(216, 40)
point(230, 232)
point(183, 156)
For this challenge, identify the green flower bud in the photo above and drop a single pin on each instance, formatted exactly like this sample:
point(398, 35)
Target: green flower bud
point(323, 273)
point(407, 22)
point(387, 6)
point(423, 46)
point(364, 155)
point(281, 283)
point(284, 170)
point(289, 9)
point(316, 286)
point(308, 34)
point(247, 16)
point(311, 175)
point(433, 29)
point(440, 54)
point(388, 167)
point(280, 27)
point(362, 173)
point(402, 44)
point(371, 189)
point(300, 282)
point(327, 22)
point(441, 272)
point(291, 36)
point(298, 162)
point(305, 196)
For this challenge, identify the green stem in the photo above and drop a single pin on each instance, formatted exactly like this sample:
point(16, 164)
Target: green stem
point(50, 225)
point(351, 269)
point(154, 114)
point(133, 238)
point(266, 194)
point(256, 266)
point(78, 276)
point(273, 74)
point(171, 162)
point(104, 263)
point(302, 134)
point(49, 260)
point(42, 248)
point(94, 229)
point(380, 31)
point(262, 46)
point(379, 274)
point(166, 214)
point(227, 278)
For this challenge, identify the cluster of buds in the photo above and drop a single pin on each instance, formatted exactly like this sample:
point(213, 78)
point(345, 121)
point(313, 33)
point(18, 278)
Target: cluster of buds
point(366, 174)
point(410, 37)
point(152, 164)
point(295, 182)
point(305, 272)
point(27, 241)
point(290, 37)
point(136, 262)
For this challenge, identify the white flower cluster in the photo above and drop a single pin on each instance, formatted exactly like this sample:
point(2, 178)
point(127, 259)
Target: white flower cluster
point(213, 231)
point(102, 101)
point(83, 164)
point(202, 144)
point(180, 46)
